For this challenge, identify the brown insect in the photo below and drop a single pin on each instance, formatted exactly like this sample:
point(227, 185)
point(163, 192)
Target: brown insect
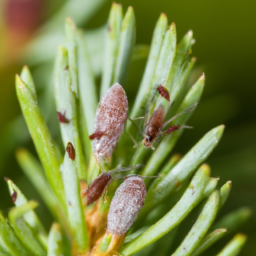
point(14, 196)
point(71, 151)
point(96, 135)
point(109, 123)
point(62, 118)
point(163, 91)
point(100, 184)
point(155, 126)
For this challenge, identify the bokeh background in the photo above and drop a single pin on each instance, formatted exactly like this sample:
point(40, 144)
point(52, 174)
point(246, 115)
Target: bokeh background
point(225, 50)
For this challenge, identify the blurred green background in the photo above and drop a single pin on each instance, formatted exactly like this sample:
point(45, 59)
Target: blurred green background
point(225, 50)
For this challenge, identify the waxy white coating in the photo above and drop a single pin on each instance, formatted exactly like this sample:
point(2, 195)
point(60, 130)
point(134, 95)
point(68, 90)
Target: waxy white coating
point(110, 121)
point(125, 205)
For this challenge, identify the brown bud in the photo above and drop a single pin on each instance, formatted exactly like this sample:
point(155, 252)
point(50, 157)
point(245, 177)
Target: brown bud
point(109, 122)
point(125, 205)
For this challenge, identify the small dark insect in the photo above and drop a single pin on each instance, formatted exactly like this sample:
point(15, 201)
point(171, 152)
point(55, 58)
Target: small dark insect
point(155, 125)
point(96, 135)
point(109, 123)
point(100, 184)
point(62, 118)
point(97, 187)
point(163, 91)
point(14, 196)
point(126, 205)
point(71, 151)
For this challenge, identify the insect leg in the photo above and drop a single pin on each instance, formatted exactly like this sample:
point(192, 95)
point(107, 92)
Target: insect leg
point(174, 128)
point(144, 177)
point(137, 118)
point(186, 127)
point(96, 135)
point(132, 120)
point(179, 114)
point(133, 140)
point(126, 169)
point(171, 129)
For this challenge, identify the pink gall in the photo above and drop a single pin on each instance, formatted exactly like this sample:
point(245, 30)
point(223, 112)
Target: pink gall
point(126, 205)
point(109, 122)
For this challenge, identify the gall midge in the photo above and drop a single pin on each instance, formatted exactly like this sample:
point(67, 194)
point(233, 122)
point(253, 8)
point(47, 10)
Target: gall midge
point(14, 196)
point(155, 125)
point(109, 122)
point(100, 184)
point(62, 118)
point(126, 205)
point(71, 151)
point(163, 91)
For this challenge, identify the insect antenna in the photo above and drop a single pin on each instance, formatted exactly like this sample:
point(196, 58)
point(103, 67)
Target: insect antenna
point(132, 120)
point(179, 114)
point(186, 127)
point(138, 118)
point(144, 177)
point(136, 144)
point(174, 128)
point(148, 107)
point(126, 169)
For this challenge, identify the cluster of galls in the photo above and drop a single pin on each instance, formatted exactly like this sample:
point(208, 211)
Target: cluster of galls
point(128, 200)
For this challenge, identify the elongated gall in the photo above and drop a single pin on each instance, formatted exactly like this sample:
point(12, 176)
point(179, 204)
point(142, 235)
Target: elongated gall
point(125, 205)
point(109, 122)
